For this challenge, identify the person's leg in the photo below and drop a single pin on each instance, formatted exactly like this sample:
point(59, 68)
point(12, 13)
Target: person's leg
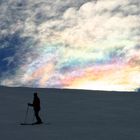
point(37, 116)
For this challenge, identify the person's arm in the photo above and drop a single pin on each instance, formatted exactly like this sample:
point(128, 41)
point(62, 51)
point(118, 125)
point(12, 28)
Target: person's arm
point(29, 104)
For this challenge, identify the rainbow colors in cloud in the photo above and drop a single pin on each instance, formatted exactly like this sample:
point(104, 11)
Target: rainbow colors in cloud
point(90, 45)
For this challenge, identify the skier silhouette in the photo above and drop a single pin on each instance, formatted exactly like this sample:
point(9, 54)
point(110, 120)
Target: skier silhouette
point(36, 107)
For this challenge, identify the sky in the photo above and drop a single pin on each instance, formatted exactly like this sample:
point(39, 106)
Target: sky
point(80, 44)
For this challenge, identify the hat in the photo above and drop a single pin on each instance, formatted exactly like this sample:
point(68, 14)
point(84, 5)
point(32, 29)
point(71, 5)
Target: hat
point(35, 93)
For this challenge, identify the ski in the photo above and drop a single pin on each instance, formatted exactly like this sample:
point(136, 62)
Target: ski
point(26, 124)
point(48, 123)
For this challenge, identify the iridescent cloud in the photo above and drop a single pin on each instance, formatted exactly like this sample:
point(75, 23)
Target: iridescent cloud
point(74, 44)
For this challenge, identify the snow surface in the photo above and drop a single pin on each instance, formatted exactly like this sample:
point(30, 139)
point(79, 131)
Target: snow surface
point(70, 115)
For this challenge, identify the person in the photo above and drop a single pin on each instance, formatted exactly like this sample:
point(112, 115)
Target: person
point(36, 107)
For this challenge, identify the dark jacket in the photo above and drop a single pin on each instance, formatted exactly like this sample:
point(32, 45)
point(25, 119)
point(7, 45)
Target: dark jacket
point(36, 103)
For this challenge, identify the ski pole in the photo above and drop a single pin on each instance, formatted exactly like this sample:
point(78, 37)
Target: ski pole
point(26, 114)
point(33, 117)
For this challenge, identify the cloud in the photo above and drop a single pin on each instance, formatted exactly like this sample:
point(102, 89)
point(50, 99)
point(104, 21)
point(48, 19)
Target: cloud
point(69, 36)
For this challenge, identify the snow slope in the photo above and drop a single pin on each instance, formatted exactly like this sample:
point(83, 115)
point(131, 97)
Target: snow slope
point(71, 114)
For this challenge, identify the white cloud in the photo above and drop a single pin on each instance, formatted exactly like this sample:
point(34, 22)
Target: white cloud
point(93, 27)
